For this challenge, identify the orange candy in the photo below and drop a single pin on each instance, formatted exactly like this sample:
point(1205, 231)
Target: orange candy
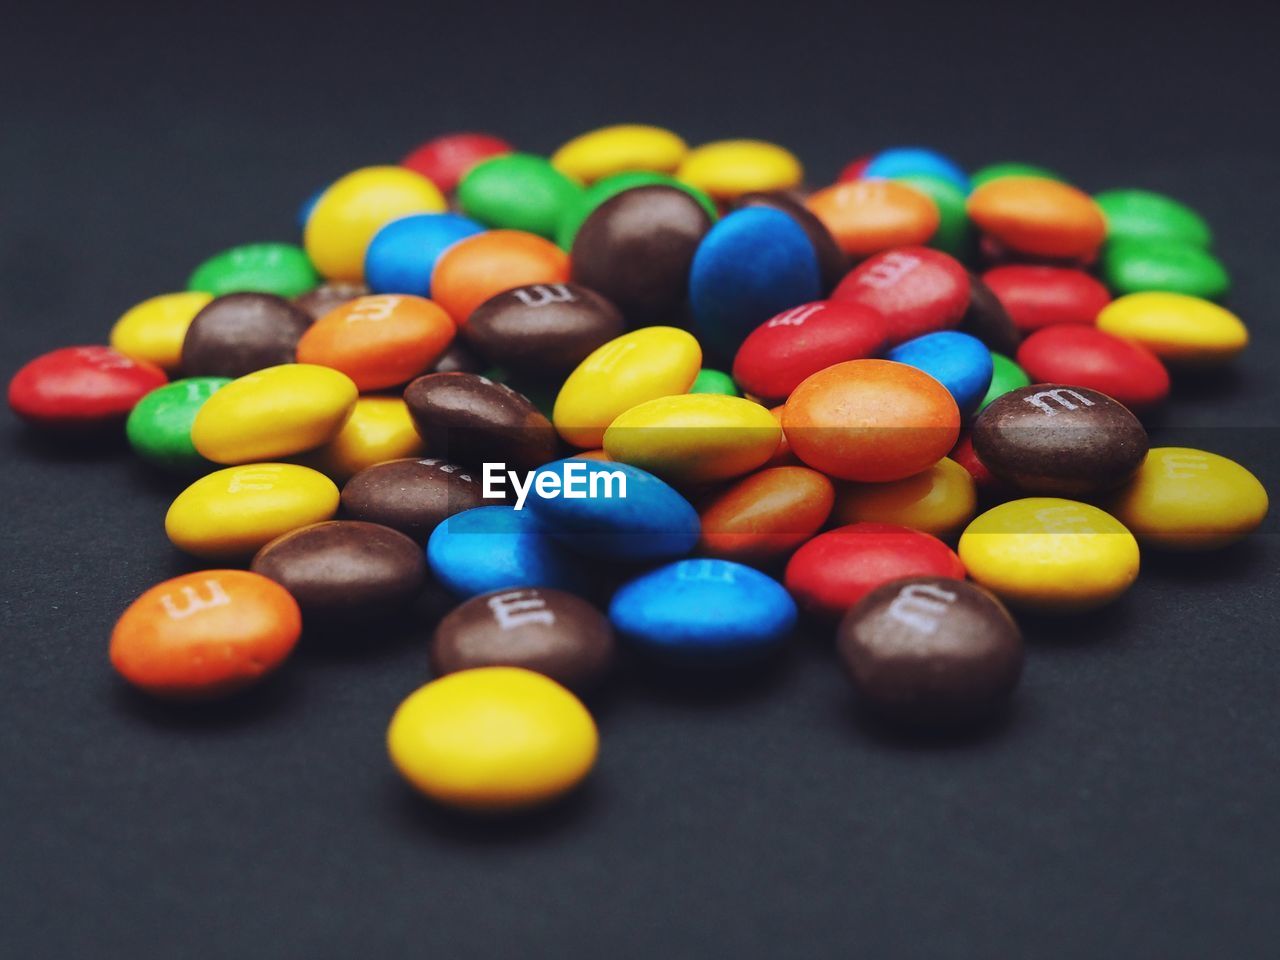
point(474, 269)
point(871, 420)
point(205, 634)
point(782, 457)
point(766, 514)
point(380, 341)
point(867, 216)
point(1043, 218)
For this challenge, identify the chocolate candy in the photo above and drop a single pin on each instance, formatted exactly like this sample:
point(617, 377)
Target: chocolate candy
point(458, 359)
point(471, 420)
point(987, 319)
point(344, 570)
point(542, 330)
point(1051, 438)
point(329, 296)
point(929, 650)
point(548, 631)
point(241, 333)
point(81, 387)
point(832, 262)
point(412, 496)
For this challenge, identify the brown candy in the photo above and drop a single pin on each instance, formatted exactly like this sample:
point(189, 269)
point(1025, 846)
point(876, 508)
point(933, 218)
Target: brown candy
point(548, 631)
point(988, 320)
point(242, 332)
point(328, 297)
point(458, 359)
point(929, 650)
point(412, 496)
point(1058, 440)
point(833, 263)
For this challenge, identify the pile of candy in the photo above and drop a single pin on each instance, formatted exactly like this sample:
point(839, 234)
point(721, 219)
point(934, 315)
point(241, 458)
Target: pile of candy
point(671, 384)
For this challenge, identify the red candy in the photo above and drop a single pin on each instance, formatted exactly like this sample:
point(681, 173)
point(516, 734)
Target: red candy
point(988, 484)
point(1037, 297)
point(854, 168)
point(917, 290)
point(782, 352)
point(836, 569)
point(81, 387)
point(1093, 358)
point(445, 160)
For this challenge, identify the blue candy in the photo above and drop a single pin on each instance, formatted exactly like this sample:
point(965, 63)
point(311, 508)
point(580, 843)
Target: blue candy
point(304, 212)
point(713, 611)
point(903, 161)
point(750, 266)
point(492, 548)
point(961, 363)
point(653, 521)
point(402, 254)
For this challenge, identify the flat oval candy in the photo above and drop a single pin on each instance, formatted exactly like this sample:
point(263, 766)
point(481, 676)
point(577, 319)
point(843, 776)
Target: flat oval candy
point(477, 268)
point(446, 159)
point(1051, 555)
point(1166, 266)
point(729, 168)
point(714, 381)
point(609, 187)
point(458, 359)
point(1177, 328)
point(1040, 296)
point(278, 268)
point(703, 612)
point(833, 264)
point(410, 495)
point(239, 333)
point(618, 149)
point(159, 426)
point(915, 289)
point(1054, 439)
point(1089, 357)
point(403, 254)
point(987, 483)
point(517, 191)
point(956, 360)
point(498, 548)
point(77, 388)
point(955, 233)
point(329, 296)
point(379, 429)
point(939, 501)
point(1039, 217)
point(231, 513)
point(1145, 214)
point(994, 171)
point(1005, 376)
point(766, 514)
point(205, 635)
point(904, 161)
point(868, 216)
point(154, 329)
point(988, 320)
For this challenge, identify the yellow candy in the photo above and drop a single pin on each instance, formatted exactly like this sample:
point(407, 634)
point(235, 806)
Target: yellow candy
point(695, 437)
point(641, 365)
point(1176, 327)
point(493, 738)
point(231, 513)
point(618, 149)
point(154, 329)
point(939, 501)
point(379, 429)
point(357, 206)
point(1185, 499)
point(1050, 554)
point(730, 168)
point(273, 413)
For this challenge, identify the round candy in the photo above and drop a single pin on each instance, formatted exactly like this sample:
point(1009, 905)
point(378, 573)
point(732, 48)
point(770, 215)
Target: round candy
point(1049, 438)
point(703, 612)
point(242, 332)
point(412, 496)
point(1177, 328)
point(1052, 555)
point(618, 149)
point(987, 483)
point(729, 168)
point(279, 268)
point(273, 413)
point(867, 216)
point(939, 501)
point(81, 387)
point(517, 191)
point(625, 372)
point(832, 262)
point(153, 330)
point(159, 427)
point(694, 437)
point(379, 429)
point(1167, 266)
point(928, 650)
point(954, 234)
point(871, 420)
point(609, 187)
point(497, 548)
point(328, 297)
point(344, 571)
point(1144, 214)
point(446, 159)
point(381, 341)
point(994, 171)
point(956, 360)
point(766, 515)
point(1039, 296)
point(714, 381)
point(493, 739)
point(402, 255)
point(458, 359)
point(479, 267)
point(1089, 357)
point(1038, 217)
point(836, 569)
point(988, 320)
point(205, 634)
point(536, 628)
point(916, 290)
point(902, 161)
point(231, 513)
point(1005, 376)
point(1185, 499)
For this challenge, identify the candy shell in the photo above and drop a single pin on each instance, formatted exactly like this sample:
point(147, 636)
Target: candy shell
point(517, 191)
point(939, 501)
point(1145, 214)
point(153, 330)
point(1089, 357)
point(495, 548)
point(956, 360)
point(279, 268)
point(1039, 217)
point(403, 254)
point(868, 216)
point(159, 427)
point(446, 159)
point(76, 388)
point(1165, 266)
point(1040, 296)
point(619, 149)
point(765, 514)
point(379, 429)
point(1179, 329)
point(729, 168)
point(479, 267)
point(916, 290)
point(904, 161)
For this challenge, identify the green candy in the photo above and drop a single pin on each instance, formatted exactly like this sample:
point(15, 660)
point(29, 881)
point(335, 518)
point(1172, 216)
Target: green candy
point(610, 187)
point(159, 427)
point(1145, 215)
point(996, 171)
point(279, 268)
point(1169, 266)
point(954, 235)
point(517, 191)
point(714, 381)
point(1005, 376)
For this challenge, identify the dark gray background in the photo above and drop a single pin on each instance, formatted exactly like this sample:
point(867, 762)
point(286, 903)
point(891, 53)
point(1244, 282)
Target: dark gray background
point(1127, 809)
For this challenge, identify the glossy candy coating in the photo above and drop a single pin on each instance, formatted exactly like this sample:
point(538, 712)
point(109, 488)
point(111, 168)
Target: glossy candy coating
point(833, 264)
point(729, 168)
point(411, 495)
point(279, 268)
point(714, 381)
point(988, 320)
point(517, 191)
point(154, 329)
point(76, 388)
point(1038, 217)
point(1089, 357)
point(329, 296)
point(159, 426)
point(446, 159)
point(766, 514)
point(621, 148)
point(379, 429)
point(403, 254)
point(994, 171)
point(868, 216)
point(477, 268)
point(954, 234)
point(497, 548)
point(1177, 328)
point(1144, 214)
point(1005, 376)
point(915, 289)
point(1040, 296)
point(1167, 266)
point(608, 187)
point(904, 161)
point(956, 360)
point(939, 501)
point(239, 333)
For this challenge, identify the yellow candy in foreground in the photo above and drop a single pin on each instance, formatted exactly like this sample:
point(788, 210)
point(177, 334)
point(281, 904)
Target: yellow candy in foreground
point(155, 328)
point(273, 413)
point(729, 168)
point(493, 738)
point(939, 501)
point(694, 437)
point(1049, 554)
point(231, 513)
point(641, 365)
point(1176, 327)
point(618, 149)
point(379, 429)
point(1185, 499)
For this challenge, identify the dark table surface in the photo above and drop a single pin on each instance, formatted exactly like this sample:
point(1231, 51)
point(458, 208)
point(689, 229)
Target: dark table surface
point(1128, 808)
